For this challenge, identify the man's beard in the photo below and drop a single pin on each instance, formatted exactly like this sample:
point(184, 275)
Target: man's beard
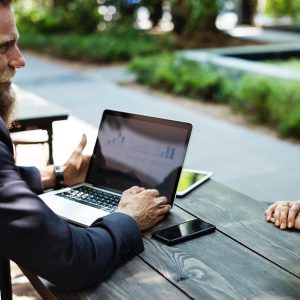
point(7, 98)
point(7, 106)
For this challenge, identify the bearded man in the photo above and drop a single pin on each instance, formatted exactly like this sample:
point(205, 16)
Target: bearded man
point(30, 233)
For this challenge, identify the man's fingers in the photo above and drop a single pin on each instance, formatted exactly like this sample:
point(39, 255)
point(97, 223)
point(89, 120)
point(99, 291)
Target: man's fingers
point(137, 189)
point(161, 200)
point(160, 218)
point(163, 210)
point(82, 144)
point(86, 160)
point(134, 190)
point(154, 192)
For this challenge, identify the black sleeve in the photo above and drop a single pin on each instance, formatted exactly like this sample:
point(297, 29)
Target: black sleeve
point(32, 177)
point(35, 238)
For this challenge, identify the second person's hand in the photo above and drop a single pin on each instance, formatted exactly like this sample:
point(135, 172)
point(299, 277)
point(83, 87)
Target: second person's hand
point(284, 214)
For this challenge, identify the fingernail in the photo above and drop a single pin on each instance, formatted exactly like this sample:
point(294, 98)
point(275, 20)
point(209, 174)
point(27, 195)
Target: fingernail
point(290, 225)
point(268, 218)
point(282, 226)
point(277, 223)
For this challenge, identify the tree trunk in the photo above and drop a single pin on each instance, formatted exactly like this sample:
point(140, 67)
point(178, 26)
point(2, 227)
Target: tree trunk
point(246, 10)
point(190, 16)
point(156, 11)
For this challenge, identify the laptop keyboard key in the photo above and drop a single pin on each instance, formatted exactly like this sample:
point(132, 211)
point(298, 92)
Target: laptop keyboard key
point(92, 197)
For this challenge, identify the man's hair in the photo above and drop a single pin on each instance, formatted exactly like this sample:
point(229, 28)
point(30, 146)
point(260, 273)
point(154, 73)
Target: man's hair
point(5, 2)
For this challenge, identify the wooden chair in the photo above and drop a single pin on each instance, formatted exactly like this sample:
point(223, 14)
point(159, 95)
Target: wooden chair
point(32, 137)
point(5, 279)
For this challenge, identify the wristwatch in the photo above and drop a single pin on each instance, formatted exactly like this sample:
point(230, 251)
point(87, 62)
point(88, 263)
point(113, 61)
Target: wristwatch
point(59, 177)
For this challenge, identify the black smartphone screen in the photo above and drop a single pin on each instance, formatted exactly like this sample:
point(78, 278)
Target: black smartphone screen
point(184, 231)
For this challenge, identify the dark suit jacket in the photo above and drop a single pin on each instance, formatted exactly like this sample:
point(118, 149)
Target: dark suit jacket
point(37, 239)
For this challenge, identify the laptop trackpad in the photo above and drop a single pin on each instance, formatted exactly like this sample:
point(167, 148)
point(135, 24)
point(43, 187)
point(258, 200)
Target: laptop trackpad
point(83, 214)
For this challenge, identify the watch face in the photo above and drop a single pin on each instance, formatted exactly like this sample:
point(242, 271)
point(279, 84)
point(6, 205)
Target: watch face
point(59, 169)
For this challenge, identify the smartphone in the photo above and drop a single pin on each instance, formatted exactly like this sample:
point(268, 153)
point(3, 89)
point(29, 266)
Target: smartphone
point(190, 179)
point(183, 232)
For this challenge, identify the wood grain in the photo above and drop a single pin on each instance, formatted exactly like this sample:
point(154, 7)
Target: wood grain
point(135, 280)
point(216, 267)
point(242, 218)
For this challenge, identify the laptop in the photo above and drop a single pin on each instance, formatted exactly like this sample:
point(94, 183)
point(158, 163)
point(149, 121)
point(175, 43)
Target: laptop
point(130, 150)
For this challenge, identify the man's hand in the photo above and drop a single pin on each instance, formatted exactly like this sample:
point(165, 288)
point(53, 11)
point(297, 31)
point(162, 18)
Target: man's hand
point(284, 214)
point(75, 169)
point(144, 206)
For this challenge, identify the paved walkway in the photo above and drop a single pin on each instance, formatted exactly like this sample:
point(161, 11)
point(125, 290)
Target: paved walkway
point(263, 35)
point(258, 165)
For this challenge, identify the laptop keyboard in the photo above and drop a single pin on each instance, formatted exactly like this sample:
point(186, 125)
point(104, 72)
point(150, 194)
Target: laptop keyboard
point(92, 197)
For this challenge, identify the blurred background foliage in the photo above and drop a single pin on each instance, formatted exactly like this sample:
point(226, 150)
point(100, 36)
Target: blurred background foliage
point(262, 99)
point(283, 7)
point(87, 16)
point(105, 31)
point(189, 16)
point(161, 24)
point(192, 23)
point(45, 16)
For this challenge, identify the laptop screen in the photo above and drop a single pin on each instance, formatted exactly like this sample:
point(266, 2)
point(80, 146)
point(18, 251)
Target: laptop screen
point(138, 150)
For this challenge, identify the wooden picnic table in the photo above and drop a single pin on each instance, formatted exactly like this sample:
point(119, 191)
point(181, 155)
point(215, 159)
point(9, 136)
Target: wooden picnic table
point(246, 258)
point(37, 113)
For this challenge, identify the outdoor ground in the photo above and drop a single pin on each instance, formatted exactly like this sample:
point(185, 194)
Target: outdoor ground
point(210, 40)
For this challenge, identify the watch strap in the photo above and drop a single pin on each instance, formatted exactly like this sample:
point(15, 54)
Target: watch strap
point(59, 177)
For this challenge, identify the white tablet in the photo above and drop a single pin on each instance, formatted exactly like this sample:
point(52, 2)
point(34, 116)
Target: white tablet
point(190, 179)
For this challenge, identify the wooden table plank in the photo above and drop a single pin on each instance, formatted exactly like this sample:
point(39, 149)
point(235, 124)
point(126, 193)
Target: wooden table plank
point(216, 267)
point(134, 280)
point(242, 218)
point(31, 106)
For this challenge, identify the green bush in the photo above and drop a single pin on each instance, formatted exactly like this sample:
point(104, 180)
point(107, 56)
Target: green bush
point(272, 101)
point(284, 107)
point(119, 44)
point(282, 7)
point(173, 73)
point(41, 19)
point(251, 96)
point(80, 16)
